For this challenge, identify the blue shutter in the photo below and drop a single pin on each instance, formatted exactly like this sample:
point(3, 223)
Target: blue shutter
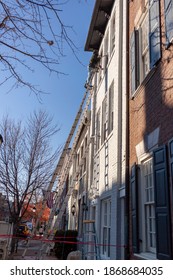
point(154, 32)
point(134, 209)
point(134, 61)
point(171, 162)
point(169, 20)
point(162, 204)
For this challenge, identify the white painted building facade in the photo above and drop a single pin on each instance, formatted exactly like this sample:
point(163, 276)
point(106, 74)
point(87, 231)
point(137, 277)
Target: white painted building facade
point(99, 191)
point(106, 186)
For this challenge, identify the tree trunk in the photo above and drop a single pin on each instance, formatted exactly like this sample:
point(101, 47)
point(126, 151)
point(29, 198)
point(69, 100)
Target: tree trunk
point(14, 242)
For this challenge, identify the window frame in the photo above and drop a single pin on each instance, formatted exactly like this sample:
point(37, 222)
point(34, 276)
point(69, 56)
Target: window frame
point(100, 66)
point(106, 227)
point(113, 32)
point(111, 108)
point(104, 120)
point(98, 126)
point(136, 65)
point(145, 51)
point(146, 206)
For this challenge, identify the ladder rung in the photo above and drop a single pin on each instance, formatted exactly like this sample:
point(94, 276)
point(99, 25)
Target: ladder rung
point(88, 221)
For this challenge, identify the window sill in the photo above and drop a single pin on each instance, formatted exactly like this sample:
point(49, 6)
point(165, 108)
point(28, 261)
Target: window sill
point(146, 256)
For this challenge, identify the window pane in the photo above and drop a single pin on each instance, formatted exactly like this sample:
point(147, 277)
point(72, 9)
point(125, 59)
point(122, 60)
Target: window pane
point(106, 227)
point(145, 46)
point(149, 207)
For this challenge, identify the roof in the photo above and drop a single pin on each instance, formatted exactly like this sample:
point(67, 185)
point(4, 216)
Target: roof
point(99, 20)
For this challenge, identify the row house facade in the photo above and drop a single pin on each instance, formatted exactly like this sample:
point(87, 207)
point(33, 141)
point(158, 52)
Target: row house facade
point(106, 187)
point(125, 180)
point(78, 176)
point(99, 159)
point(151, 128)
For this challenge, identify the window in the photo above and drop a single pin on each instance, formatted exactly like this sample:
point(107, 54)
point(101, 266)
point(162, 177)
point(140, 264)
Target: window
point(104, 121)
point(106, 58)
point(106, 227)
point(148, 224)
point(169, 20)
point(100, 66)
point(77, 161)
point(111, 108)
point(106, 50)
point(84, 165)
point(106, 165)
point(81, 185)
point(149, 231)
point(86, 142)
point(112, 34)
point(150, 204)
point(145, 49)
point(98, 130)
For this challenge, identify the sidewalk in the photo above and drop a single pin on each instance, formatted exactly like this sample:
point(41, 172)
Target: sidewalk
point(32, 253)
point(18, 256)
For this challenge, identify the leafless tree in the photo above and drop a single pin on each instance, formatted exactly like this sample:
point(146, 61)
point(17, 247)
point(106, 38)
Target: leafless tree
point(31, 31)
point(27, 161)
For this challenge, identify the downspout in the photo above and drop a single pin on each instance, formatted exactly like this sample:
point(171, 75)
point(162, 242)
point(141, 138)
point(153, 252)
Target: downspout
point(127, 185)
point(119, 134)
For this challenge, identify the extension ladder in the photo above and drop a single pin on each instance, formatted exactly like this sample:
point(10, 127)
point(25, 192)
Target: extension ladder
point(66, 167)
point(64, 175)
point(59, 166)
point(62, 170)
point(90, 247)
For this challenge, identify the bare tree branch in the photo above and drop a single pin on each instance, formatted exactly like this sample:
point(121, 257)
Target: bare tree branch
point(32, 31)
point(26, 160)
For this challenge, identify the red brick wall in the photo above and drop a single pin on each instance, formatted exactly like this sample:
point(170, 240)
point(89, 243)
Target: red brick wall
point(152, 105)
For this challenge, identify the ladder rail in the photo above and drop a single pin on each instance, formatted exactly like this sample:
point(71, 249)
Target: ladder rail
point(66, 168)
point(89, 243)
point(60, 162)
point(66, 172)
point(71, 155)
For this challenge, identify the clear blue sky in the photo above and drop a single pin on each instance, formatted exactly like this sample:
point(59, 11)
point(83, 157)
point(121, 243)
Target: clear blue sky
point(66, 92)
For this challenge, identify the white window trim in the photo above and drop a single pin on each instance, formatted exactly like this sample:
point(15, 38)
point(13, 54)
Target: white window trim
point(112, 38)
point(108, 201)
point(141, 160)
point(138, 27)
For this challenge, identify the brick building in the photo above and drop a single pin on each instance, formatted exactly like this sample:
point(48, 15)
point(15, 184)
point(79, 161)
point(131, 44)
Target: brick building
point(151, 128)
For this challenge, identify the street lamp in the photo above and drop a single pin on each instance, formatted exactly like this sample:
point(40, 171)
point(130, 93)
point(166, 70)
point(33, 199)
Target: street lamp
point(33, 218)
point(1, 139)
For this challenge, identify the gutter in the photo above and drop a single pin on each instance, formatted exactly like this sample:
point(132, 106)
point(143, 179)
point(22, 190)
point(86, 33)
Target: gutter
point(127, 184)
